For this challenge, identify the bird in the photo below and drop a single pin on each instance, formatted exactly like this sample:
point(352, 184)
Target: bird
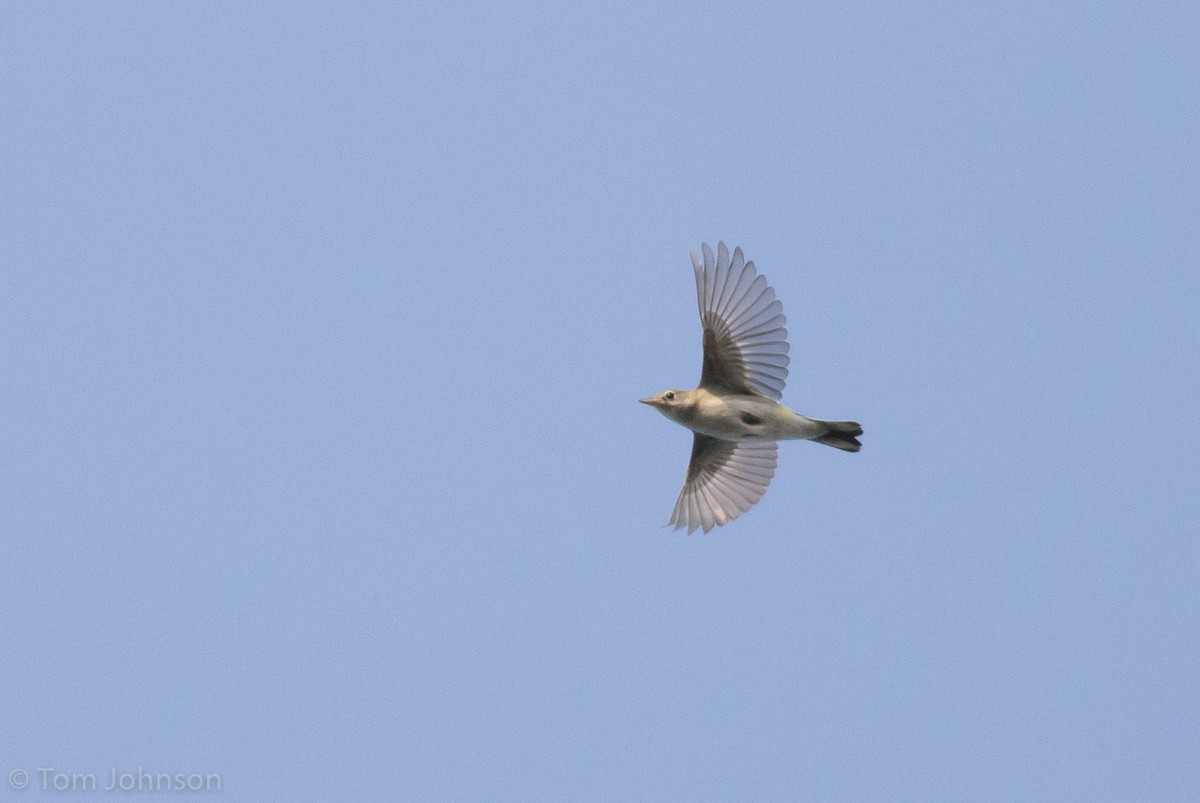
point(734, 414)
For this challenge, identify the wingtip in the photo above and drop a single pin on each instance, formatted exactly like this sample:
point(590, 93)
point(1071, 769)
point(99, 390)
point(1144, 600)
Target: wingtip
point(737, 253)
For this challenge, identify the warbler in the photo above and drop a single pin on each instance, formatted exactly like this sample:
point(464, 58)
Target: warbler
point(734, 413)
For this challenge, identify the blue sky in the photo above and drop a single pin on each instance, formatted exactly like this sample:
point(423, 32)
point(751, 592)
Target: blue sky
point(324, 330)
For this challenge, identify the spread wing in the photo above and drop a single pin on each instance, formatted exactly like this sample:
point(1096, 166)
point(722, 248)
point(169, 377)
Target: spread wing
point(745, 342)
point(724, 480)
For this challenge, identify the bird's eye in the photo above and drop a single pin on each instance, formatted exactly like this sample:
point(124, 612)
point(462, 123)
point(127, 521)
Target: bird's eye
point(669, 395)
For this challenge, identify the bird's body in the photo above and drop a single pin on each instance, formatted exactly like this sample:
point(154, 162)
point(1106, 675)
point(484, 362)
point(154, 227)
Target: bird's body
point(734, 412)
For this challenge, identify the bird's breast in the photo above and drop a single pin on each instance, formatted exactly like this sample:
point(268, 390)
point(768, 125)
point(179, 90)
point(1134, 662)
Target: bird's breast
point(734, 417)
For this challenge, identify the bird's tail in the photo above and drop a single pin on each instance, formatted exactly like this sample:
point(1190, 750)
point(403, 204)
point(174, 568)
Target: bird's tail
point(841, 435)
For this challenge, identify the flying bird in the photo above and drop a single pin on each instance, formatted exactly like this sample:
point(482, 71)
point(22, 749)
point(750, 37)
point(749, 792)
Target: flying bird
point(735, 414)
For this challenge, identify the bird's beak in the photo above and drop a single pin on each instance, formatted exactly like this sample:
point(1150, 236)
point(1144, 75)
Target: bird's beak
point(651, 401)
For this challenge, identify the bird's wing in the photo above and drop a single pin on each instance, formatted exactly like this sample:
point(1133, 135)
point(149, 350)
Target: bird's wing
point(745, 342)
point(724, 480)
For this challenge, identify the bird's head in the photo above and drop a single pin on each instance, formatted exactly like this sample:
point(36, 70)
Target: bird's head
point(670, 402)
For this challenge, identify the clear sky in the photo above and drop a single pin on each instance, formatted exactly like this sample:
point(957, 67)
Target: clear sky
point(323, 331)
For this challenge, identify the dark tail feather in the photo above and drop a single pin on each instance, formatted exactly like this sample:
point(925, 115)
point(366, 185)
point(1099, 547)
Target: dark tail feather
point(842, 435)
